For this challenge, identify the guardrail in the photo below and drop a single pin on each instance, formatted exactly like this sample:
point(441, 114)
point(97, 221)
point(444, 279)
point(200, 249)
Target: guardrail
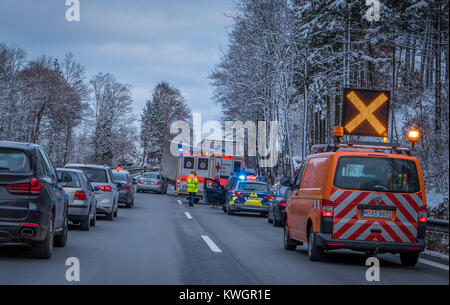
point(437, 225)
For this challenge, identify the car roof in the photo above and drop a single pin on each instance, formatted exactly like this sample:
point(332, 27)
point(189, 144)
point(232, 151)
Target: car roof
point(118, 172)
point(86, 165)
point(72, 170)
point(252, 182)
point(362, 153)
point(18, 145)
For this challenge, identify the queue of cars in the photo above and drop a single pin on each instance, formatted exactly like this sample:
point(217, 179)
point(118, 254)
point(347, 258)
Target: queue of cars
point(362, 197)
point(37, 201)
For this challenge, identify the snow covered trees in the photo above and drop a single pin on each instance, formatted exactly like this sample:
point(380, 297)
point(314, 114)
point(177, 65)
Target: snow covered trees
point(166, 106)
point(46, 101)
point(290, 59)
point(111, 108)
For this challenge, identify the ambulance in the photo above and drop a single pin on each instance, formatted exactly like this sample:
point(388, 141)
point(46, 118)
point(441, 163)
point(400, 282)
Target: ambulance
point(207, 165)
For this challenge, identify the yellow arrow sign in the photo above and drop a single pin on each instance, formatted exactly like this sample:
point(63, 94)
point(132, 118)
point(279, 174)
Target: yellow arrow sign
point(366, 112)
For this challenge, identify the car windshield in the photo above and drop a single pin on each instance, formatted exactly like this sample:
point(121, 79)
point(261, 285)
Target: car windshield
point(377, 174)
point(256, 187)
point(95, 174)
point(150, 176)
point(68, 179)
point(13, 160)
point(120, 177)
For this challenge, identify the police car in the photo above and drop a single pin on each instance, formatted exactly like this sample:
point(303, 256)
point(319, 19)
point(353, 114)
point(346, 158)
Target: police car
point(248, 196)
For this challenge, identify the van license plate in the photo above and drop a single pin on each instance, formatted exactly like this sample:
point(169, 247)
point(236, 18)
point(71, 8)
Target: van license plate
point(376, 214)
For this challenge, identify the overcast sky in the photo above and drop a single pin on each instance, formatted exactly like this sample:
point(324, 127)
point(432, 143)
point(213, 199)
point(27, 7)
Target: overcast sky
point(141, 42)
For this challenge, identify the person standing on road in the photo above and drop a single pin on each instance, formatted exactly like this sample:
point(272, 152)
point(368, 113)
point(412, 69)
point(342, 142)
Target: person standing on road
point(192, 183)
point(216, 184)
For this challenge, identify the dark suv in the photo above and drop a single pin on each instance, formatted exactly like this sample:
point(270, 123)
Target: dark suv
point(33, 205)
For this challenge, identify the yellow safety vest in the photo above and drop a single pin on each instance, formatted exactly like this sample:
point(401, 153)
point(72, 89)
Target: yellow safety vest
point(192, 183)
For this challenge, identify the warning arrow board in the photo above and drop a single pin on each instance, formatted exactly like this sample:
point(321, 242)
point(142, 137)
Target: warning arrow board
point(365, 112)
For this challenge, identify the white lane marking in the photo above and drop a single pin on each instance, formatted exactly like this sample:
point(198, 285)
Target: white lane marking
point(188, 215)
point(211, 244)
point(179, 202)
point(434, 264)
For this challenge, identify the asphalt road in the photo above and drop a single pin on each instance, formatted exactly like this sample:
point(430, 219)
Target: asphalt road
point(156, 242)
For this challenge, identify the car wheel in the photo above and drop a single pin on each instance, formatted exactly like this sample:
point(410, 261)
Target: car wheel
point(409, 259)
point(315, 253)
point(275, 221)
point(61, 239)
point(129, 202)
point(94, 219)
point(44, 249)
point(269, 220)
point(229, 211)
point(86, 222)
point(116, 213)
point(289, 244)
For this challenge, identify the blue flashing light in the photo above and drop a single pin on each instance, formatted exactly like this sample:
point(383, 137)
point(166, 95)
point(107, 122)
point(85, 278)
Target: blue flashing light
point(242, 177)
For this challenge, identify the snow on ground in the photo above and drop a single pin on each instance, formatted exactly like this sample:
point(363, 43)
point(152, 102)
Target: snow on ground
point(437, 254)
point(434, 198)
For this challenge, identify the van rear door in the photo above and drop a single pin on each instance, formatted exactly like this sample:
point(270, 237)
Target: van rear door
point(376, 199)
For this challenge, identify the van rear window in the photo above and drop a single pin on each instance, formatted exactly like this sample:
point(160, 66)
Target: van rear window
point(377, 174)
point(13, 160)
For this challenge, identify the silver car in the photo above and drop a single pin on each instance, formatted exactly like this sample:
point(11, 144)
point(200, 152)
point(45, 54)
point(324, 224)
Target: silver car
point(106, 193)
point(151, 182)
point(82, 202)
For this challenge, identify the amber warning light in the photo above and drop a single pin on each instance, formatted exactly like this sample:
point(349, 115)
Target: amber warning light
point(338, 131)
point(413, 135)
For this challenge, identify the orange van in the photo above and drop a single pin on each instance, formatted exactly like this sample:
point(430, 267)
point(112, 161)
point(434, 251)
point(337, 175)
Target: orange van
point(360, 197)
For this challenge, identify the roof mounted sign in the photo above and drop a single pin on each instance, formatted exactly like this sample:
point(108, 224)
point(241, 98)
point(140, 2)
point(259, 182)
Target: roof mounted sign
point(365, 112)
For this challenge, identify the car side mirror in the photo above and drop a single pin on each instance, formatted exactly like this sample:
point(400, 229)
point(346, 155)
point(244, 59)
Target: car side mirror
point(286, 181)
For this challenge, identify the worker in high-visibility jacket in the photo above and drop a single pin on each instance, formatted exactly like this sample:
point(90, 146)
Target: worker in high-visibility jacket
point(192, 183)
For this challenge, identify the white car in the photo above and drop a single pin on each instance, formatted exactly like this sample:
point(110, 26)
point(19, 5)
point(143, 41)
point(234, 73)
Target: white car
point(106, 192)
point(82, 201)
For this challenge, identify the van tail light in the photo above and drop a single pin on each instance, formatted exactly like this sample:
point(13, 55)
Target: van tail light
point(139, 181)
point(34, 187)
point(268, 197)
point(236, 194)
point(327, 208)
point(80, 195)
point(282, 203)
point(105, 188)
point(423, 213)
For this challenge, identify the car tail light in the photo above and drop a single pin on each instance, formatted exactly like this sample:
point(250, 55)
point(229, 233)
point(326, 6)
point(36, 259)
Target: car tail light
point(327, 208)
point(236, 194)
point(282, 203)
point(139, 181)
point(80, 195)
point(158, 183)
point(268, 197)
point(126, 187)
point(34, 187)
point(105, 188)
point(423, 213)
